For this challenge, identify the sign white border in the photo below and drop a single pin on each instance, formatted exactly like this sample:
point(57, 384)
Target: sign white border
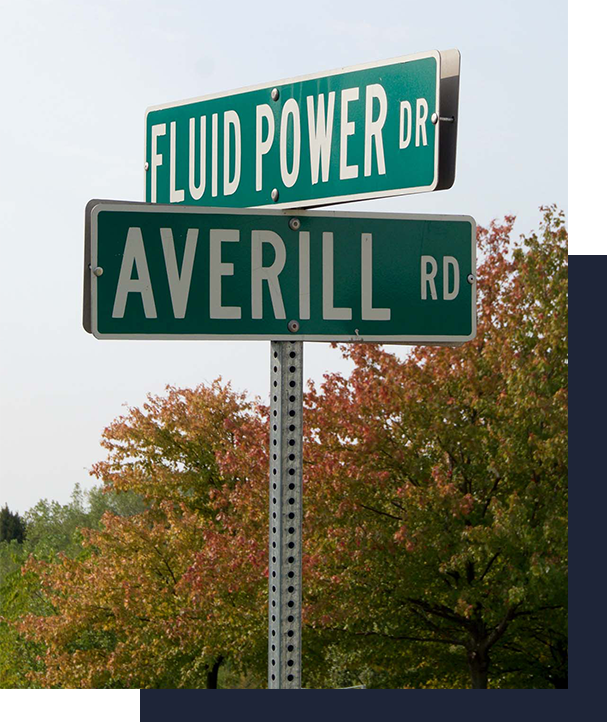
point(299, 79)
point(96, 207)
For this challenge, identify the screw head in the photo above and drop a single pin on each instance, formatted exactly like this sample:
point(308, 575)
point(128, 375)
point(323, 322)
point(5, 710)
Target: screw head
point(146, 165)
point(98, 271)
point(294, 224)
point(274, 194)
point(275, 94)
point(471, 278)
point(434, 118)
point(293, 326)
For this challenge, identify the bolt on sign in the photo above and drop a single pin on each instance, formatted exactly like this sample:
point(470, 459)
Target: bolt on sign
point(367, 131)
point(170, 272)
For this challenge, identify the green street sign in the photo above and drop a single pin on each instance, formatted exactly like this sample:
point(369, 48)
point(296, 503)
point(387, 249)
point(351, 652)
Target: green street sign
point(169, 272)
point(362, 132)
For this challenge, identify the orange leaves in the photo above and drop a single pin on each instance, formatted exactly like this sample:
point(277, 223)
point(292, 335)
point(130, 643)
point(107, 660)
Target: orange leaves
point(416, 467)
point(434, 486)
point(183, 444)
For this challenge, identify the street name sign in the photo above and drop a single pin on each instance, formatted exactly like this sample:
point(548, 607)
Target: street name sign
point(366, 131)
point(156, 271)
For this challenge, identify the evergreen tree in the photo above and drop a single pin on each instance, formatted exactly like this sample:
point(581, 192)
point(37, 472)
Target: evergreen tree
point(12, 525)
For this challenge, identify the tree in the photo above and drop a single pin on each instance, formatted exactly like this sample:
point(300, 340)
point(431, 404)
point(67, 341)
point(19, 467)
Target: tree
point(52, 529)
point(435, 516)
point(167, 596)
point(436, 488)
point(12, 525)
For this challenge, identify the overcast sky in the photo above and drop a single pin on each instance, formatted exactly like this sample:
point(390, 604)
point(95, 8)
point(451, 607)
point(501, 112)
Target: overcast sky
point(77, 79)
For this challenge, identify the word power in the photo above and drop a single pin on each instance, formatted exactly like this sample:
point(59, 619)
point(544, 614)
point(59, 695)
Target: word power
point(362, 132)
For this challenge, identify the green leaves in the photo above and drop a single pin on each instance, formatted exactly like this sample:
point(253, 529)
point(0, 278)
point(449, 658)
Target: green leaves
point(435, 528)
point(453, 466)
point(12, 526)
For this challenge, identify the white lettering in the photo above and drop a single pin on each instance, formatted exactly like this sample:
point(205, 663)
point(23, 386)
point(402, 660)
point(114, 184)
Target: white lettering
point(134, 255)
point(321, 134)
point(231, 119)
point(290, 109)
point(421, 115)
point(428, 278)
point(176, 195)
point(214, 144)
point(217, 269)
point(304, 274)
point(259, 273)
point(368, 313)
point(403, 142)
point(196, 191)
point(373, 128)
point(329, 312)
point(179, 284)
point(447, 294)
point(262, 146)
point(156, 158)
point(346, 129)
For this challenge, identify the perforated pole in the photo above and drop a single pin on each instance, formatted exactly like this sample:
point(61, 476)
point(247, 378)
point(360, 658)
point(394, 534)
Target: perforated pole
point(286, 452)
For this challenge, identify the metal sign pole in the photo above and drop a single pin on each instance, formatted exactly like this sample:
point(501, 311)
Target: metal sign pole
point(286, 456)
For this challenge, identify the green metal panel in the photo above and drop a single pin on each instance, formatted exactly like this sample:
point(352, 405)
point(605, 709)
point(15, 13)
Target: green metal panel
point(380, 106)
point(390, 275)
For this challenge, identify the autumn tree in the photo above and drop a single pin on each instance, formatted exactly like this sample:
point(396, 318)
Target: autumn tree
point(53, 529)
point(435, 516)
point(163, 598)
point(436, 490)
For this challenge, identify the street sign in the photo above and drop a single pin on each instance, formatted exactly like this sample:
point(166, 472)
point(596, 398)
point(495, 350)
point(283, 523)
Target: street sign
point(174, 272)
point(366, 131)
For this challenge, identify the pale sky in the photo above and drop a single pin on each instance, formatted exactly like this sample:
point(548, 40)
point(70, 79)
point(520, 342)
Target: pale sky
point(77, 79)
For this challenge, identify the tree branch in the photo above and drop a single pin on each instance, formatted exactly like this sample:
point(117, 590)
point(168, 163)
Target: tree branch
point(490, 495)
point(440, 611)
point(378, 511)
point(395, 637)
point(493, 558)
point(500, 629)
